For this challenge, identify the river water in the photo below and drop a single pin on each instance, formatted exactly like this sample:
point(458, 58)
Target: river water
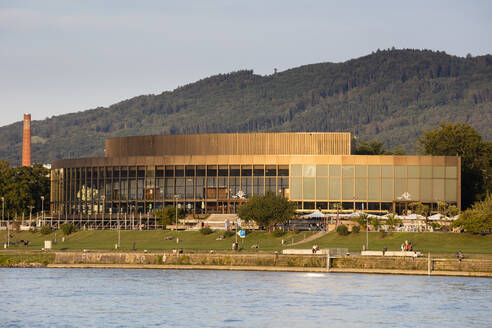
point(171, 298)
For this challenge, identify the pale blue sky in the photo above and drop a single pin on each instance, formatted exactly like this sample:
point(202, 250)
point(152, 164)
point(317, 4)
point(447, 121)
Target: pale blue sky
point(65, 56)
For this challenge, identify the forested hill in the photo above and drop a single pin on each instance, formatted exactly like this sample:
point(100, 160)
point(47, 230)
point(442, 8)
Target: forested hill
point(390, 96)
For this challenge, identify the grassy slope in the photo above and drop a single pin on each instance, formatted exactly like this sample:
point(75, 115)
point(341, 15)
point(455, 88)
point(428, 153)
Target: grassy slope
point(436, 243)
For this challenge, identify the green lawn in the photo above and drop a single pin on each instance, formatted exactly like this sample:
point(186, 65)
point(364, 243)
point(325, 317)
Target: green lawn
point(436, 243)
point(150, 240)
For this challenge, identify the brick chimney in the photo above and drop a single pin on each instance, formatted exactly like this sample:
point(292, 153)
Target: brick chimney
point(26, 141)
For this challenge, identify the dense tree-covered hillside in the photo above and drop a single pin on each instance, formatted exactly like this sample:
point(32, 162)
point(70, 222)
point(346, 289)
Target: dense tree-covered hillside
point(390, 96)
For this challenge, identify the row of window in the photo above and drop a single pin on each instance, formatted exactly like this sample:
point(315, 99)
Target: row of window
point(373, 189)
point(166, 188)
point(179, 171)
point(376, 171)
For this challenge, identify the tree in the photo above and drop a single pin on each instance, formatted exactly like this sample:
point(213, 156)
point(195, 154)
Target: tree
point(419, 208)
point(267, 210)
point(167, 215)
point(478, 218)
point(476, 157)
point(374, 221)
point(374, 147)
point(369, 148)
point(392, 221)
point(362, 220)
point(23, 187)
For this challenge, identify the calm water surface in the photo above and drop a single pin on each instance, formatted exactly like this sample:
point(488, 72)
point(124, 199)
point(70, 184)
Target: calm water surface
point(168, 298)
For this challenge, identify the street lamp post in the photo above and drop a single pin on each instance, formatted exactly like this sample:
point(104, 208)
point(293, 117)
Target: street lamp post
point(3, 219)
point(119, 237)
point(103, 197)
point(3, 209)
point(30, 214)
point(176, 210)
point(42, 209)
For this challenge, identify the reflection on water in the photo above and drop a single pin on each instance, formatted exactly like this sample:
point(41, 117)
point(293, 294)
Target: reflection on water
point(169, 298)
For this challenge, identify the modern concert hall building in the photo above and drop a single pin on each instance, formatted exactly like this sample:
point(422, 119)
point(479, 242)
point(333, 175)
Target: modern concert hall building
point(216, 173)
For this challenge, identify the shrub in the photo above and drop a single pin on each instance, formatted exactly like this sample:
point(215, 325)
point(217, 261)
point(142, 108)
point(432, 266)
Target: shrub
point(435, 225)
point(342, 230)
point(278, 233)
point(355, 229)
point(229, 233)
point(445, 228)
point(68, 228)
point(45, 230)
point(206, 231)
point(167, 215)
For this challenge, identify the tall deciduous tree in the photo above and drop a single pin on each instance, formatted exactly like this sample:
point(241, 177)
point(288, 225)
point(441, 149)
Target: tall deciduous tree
point(478, 218)
point(22, 187)
point(476, 157)
point(267, 210)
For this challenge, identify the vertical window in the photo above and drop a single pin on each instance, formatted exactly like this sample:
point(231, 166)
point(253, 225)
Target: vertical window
point(296, 188)
point(360, 188)
point(348, 171)
point(308, 188)
point(309, 170)
point(335, 170)
point(321, 170)
point(361, 171)
point(322, 188)
point(180, 186)
point(374, 188)
point(387, 171)
point(200, 185)
point(169, 191)
point(296, 170)
point(335, 188)
point(348, 188)
point(189, 187)
point(374, 171)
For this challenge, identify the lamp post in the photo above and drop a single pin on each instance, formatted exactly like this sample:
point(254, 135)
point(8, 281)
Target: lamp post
point(3, 219)
point(103, 197)
point(110, 213)
point(42, 209)
point(3, 209)
point(176, 210)
point(367, 232)
point(30, 214)
point(119, 237)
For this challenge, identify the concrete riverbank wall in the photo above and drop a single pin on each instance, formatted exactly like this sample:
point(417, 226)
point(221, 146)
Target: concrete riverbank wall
point(266, 262)
point(275, 260)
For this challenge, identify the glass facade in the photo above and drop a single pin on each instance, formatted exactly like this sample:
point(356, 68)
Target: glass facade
point(93, 190)
point(373, 185)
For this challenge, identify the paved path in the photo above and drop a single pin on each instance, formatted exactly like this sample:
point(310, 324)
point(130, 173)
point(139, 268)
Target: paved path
point(308, 239)
point(270, 268)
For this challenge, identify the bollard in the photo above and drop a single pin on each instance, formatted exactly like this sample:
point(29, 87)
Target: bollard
point(429, 264)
